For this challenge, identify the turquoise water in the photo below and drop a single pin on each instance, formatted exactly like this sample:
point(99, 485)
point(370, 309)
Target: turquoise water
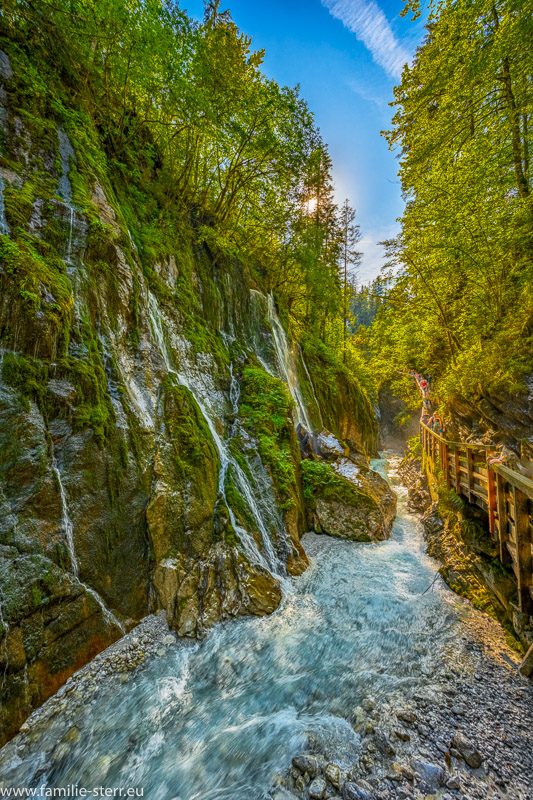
point(219, 719)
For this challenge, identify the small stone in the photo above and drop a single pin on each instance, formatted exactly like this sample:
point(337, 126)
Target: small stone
point(310, 763)
point(353, 791)
point(335, 775)
point(430, 774)
point(368, 704)
point(402, 735)
point(453, 783)
point(384, 745)
point(317, 789)
point(395, 773)
point(406, 715)
point(73, 735)
point(467, 750)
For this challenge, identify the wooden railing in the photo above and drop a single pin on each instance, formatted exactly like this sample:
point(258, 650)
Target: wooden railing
point(505, 494)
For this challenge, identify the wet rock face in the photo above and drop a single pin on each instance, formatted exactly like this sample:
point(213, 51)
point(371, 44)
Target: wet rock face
point(198, 593)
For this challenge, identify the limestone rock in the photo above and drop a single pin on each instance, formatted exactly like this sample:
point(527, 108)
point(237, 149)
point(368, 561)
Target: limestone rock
point(526, 667)
point(349, 501)
point(431, 774)
point(317, 789)
point(467, 750)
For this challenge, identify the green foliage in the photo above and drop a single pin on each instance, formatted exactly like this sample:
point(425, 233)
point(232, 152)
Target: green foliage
point(181, 118)
point(40, 280)
point(472, 528)
point(457, 295)
point(415, 446)
point(315, 475)
point(449, 500)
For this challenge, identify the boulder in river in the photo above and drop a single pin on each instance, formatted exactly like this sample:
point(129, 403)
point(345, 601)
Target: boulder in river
point(348, 500)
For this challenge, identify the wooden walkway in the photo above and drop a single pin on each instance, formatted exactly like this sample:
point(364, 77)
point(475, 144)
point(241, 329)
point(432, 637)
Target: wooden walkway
point(505, 494)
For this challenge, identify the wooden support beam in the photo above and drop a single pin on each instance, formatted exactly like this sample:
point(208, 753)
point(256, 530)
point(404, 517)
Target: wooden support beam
point(523, 551)
point(503, 529)
point(446, 464)
point(457, 462)
point(491, 500)
point(470, 469)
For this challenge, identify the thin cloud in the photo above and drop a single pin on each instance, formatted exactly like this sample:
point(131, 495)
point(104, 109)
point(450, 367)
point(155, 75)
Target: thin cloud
point(371, 27)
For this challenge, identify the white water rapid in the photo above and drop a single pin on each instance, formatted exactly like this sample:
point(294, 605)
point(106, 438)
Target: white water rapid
point(219, 719)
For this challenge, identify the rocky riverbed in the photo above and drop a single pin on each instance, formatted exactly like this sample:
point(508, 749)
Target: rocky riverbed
point(371, 681)
point(467, 736)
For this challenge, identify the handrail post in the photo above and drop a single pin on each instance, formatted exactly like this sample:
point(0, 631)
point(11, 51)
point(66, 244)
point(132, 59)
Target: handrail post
point(491, 491)
point(457, 461)
point(446, 464)
point(503, 530)
point(470, 468)
point(523, 550)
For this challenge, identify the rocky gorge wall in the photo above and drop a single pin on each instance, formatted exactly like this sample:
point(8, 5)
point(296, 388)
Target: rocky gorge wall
point(149, 394)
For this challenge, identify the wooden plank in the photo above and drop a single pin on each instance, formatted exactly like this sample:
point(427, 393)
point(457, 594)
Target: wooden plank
point(501, 505)
point(523, 551)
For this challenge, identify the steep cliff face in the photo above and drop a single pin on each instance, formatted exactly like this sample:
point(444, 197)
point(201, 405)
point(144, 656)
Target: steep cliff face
point(148, 401)
point(496, 418)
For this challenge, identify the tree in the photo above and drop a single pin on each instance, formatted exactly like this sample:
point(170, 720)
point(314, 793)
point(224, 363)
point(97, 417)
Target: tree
point(462, 286)
point(349, 235)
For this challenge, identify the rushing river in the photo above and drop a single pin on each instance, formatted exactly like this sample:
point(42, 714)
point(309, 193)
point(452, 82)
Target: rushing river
point(218, 719)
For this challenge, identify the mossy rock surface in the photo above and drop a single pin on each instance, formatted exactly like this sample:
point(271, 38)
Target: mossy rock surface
point(359, 508)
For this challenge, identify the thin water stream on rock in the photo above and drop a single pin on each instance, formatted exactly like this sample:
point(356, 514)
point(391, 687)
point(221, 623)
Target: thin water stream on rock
point(218, 719)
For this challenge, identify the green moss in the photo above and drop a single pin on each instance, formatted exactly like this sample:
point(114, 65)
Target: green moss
point(29, 377)
point(94, 408)
point(237, 502)
point(338, 390)
point(193, 443)
point(39, 281)
point(265, 411)
point(19, 205)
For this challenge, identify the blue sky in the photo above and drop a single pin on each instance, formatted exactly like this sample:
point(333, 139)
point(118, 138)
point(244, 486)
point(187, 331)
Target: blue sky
point(346, 55)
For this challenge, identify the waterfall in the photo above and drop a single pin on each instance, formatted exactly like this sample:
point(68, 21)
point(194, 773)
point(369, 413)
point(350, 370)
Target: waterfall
point(312, 385)
point(66, 152)
point(69, 247)
point(287, 365)
point(234, 391)
point(267, 558)
point(66, 521)
point(69, 534)
point(4, 227)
